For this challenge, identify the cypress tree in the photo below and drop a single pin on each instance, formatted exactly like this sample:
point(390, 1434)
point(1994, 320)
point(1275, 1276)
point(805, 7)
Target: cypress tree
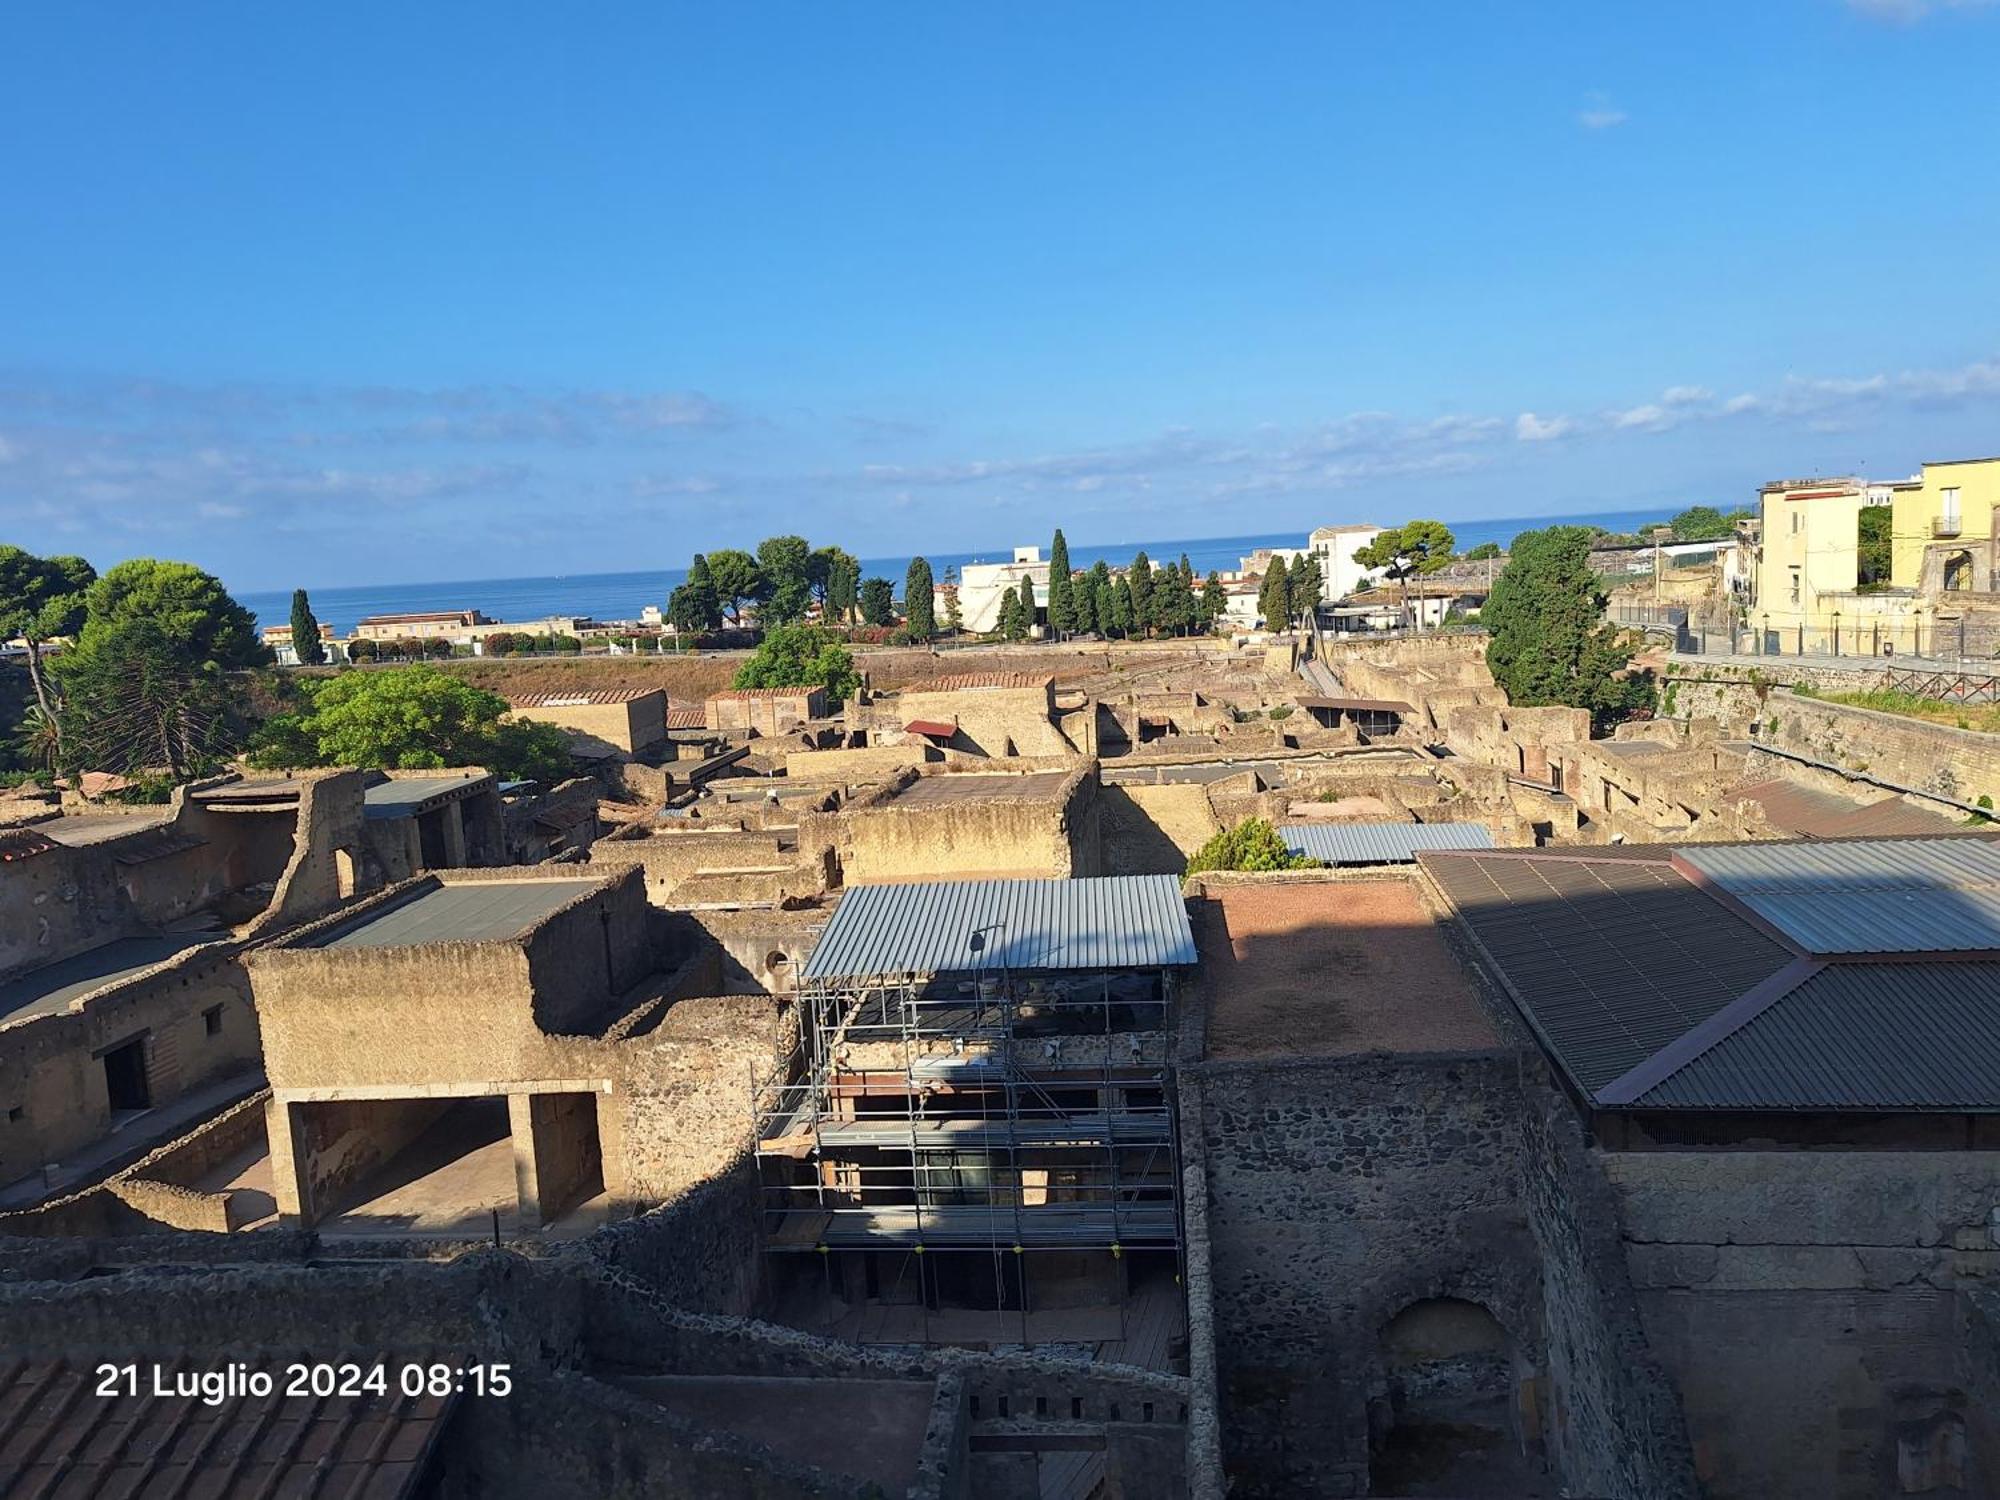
point(1123, 616)
point(305, 632)
point(1027, 606)
point(1139, 581)
point(1062, 595)
point(1214, 602)
point(919, 603)
point(1274, 598)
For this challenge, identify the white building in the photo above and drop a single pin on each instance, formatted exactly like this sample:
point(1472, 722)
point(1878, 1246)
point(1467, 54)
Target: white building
point(1334, 548)
point(983, 587)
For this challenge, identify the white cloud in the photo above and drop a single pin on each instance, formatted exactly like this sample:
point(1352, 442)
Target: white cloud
point(1529, 428)
point(1599, 113)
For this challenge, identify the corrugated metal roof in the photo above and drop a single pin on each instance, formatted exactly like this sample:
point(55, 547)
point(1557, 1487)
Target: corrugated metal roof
point(687, 718)
point(1380, 843)
point(1115, 922)
point(406, 796)
point(1901, 896)
point(1358, 705)
point(61, 1440)
point(932, 728)
point(1610, 959)
point(153, 843)
point(732, 695)
point(1866, 1036)
point(480, 912)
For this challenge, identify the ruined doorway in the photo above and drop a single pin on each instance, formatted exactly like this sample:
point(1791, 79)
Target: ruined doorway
point(1445, 1419)
point(1958, 572)
point(345, 881)
point(125, 1082)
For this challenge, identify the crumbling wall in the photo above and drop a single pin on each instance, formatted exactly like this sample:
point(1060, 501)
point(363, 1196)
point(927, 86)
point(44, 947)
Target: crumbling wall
point(670, 858)
point(58, 903)
point(1152, 830)
point(1054, 836)
point(872, 763)
point(1838, 1269)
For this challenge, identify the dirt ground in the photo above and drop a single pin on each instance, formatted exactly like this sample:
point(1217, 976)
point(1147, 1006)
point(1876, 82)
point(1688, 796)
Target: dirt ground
point(689, 679)
point(1323, 969)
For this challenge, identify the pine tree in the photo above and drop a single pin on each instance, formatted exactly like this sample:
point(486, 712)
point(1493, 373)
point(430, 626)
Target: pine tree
point(1062, 593)
point(1303, 585)
point(919, 603)
point(1548, 641)
point(1139, 580)
point(1083, 606)
point(306, 644)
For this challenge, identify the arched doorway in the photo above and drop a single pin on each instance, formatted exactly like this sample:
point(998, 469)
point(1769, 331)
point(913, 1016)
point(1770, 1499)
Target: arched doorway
point(1957, 572)
point(1446, 1419)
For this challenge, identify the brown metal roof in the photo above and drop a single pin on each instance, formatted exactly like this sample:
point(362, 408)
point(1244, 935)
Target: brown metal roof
point(686, 718)
point(1812, 813)
point(959, 682)
point(934, 728)
point(60, 1440)
point(595, 697)
point(1609, 960)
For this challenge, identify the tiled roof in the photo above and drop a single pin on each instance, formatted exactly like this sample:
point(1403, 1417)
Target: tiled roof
point(61, 1440)
point(686, 718)
point(959, 682)
point(934, 728)
point(594, 697)
point(732, 694)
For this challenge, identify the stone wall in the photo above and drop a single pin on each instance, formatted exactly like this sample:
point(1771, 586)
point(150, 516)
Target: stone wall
point(1806, 1304)
point(873, 763)
point(1340, 1192)
point(1056, 835)
point(59, 903)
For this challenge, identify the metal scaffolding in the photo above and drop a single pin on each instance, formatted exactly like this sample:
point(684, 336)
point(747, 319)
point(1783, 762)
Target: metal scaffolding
point(987, 1110)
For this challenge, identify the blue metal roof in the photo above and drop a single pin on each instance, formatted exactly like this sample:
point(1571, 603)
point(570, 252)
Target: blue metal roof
point(406, 796)
point(1380, 843)
point(1117, 922)
point(1892, 896)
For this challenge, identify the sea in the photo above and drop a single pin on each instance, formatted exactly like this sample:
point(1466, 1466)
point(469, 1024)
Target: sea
point(622, 596)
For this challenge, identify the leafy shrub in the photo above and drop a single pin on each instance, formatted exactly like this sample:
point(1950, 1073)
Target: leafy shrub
point(1251, 845)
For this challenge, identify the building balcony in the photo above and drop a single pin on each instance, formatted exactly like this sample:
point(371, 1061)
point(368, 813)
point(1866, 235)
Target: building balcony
point(1946, 527)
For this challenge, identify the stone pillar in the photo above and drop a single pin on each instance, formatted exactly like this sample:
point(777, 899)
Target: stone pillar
point(291, 1185)
point(454, 835)
point(556, 1154)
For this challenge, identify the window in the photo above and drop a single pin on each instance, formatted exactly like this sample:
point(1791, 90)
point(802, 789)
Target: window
point(211, 1020)
point(1950, 499)
point(1798, 521)
point(1795, 585)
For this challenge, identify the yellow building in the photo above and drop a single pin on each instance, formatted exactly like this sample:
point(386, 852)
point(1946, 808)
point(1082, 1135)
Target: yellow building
point(1809, 594)
point(1943, 540)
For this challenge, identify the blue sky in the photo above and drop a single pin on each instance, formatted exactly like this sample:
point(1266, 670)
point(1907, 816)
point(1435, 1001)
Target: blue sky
point(384, 293)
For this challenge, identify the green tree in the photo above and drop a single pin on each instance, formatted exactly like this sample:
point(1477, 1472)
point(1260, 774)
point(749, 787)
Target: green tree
point(1483, 551)
point(738, 583)
point(409, 719)
point(800, 656)
point(1124, 613)
point(191, 611)
point(1303, 585)
point(42, 598)
point(919, 600)
point(1253, 845)
point(1874, 537)
point(1029, 609)
point(785, 564)
point(836, 579)
point(1009, 623)
point(1139, 579)
point(1548, 642)
point(306, 644)
point(1701, 523)
point(138, 702)
point(878, 602)
point(1062, 592)
point(1412, 550)
point(1214, 601)
point(695, 606)
point(1097, 586)
point(1274, 598)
